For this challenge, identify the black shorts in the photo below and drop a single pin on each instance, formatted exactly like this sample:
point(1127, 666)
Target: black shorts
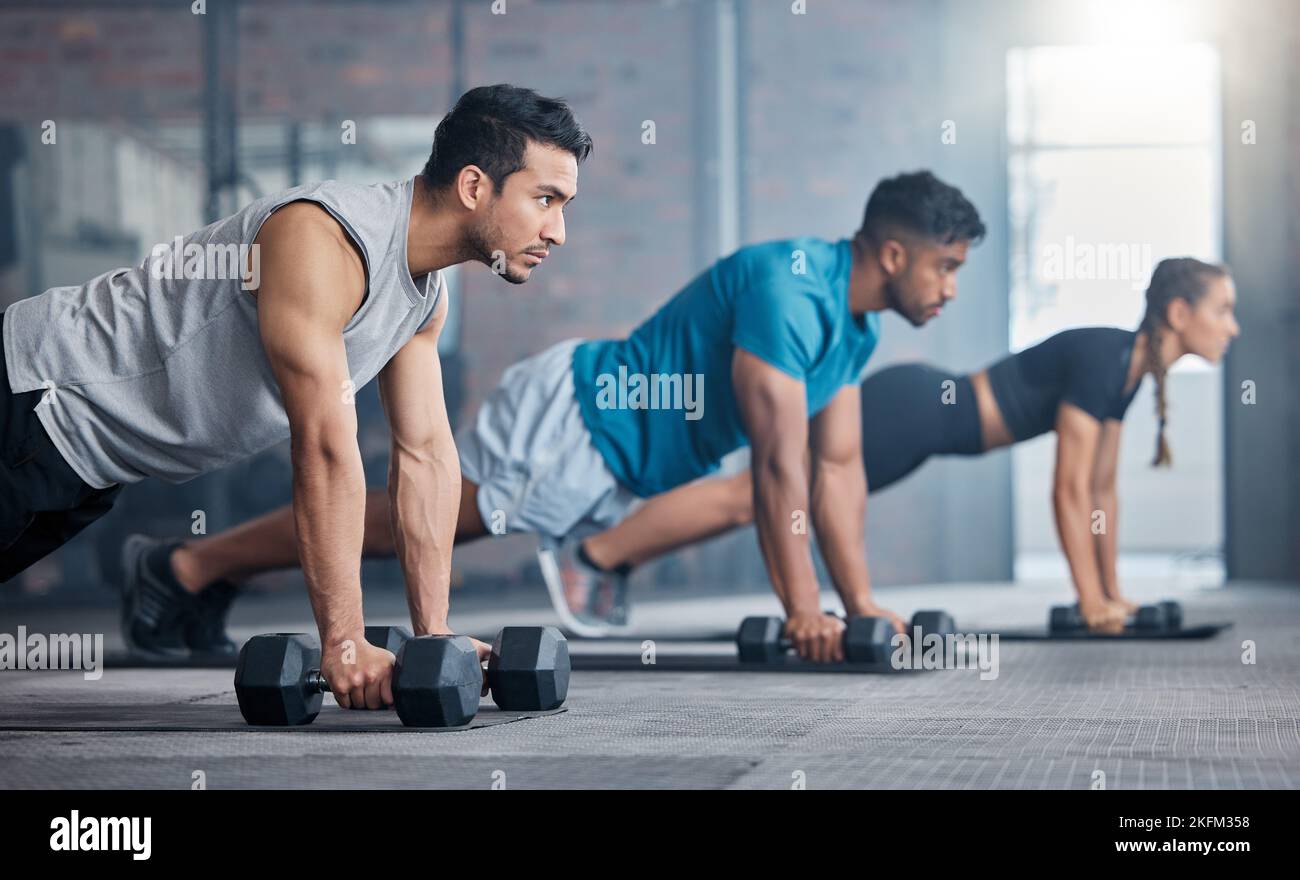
point(43, 503)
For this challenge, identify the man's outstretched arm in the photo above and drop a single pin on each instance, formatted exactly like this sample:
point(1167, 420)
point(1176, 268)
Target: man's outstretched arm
point(423, 474)
point(774, 408)
point(839, 502)
point(312, 282)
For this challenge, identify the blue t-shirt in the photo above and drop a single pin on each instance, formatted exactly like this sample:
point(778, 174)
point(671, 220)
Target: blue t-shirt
point(660, 405)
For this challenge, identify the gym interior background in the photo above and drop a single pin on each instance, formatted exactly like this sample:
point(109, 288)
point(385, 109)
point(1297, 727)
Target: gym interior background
point(1149, 129)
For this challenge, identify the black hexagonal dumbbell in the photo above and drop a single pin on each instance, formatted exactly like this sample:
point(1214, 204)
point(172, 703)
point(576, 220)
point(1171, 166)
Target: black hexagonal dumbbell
point(529, 669)
point(1173, 614)
point(436, 683)
point(1161, 617)
point(763, 640)
point(390, 638)
point(937, 622)
point(1065, 618)
point(273, 679)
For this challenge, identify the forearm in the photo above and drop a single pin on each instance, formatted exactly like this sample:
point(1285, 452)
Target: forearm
point(424, 497)
point(781, 491)
point(839, 518)
point(329, 503)
point(1106, 540)
point(1074, 527)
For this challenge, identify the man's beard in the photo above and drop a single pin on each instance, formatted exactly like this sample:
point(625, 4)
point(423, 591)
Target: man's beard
point(894, 299)
point(480, 240)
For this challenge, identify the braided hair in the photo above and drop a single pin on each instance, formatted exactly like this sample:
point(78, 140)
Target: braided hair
point(1174, 278)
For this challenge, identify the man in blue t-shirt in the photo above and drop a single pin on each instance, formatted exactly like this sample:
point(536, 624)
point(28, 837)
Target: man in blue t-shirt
point(766, 349)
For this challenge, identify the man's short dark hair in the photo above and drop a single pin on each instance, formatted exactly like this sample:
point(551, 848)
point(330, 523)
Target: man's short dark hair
point(920, 204)
point(491, 126)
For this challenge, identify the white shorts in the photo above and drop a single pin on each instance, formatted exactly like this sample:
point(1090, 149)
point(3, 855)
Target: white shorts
point(531, 455)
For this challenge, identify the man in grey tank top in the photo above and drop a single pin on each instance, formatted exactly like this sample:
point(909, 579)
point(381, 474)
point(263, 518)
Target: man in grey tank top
point(259, 328)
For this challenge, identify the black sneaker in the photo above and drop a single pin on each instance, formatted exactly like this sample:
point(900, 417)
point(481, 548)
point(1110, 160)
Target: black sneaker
point(155, 607)
point(206, 632)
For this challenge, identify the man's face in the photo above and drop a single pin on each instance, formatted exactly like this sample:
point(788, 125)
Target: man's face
point(922, 277)
point(514, 229)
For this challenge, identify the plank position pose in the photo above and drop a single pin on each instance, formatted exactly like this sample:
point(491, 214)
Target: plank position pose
point(1078, 383)
point(258, 332)
point(765, 348)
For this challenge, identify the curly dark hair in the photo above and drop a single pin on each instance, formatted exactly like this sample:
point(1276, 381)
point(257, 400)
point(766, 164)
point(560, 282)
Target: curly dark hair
point(922, 205)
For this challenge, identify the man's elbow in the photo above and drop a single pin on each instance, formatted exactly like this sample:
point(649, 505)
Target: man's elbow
point(846, 481)
point(776, 467)
point(841, 470)
point(430, 454)
point(323, 444)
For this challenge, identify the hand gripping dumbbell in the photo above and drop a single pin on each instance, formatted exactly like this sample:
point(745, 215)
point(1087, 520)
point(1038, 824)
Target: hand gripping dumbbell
point(436, 680)
point(528, 670)
point(866, 639)
point(763, 640)
point(1163, 616)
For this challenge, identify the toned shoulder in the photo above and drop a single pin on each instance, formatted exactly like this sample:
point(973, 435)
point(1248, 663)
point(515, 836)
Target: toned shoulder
point(306, 231)
point(303, 224)
point(305, 254)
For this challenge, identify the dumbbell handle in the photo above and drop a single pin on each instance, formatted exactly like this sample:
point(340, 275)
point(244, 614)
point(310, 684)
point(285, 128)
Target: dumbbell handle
point(784, 642)
point(316, 683)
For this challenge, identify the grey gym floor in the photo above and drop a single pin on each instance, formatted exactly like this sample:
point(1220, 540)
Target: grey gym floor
point(1181, 714)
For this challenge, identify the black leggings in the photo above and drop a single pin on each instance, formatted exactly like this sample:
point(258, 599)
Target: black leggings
point(910, 413)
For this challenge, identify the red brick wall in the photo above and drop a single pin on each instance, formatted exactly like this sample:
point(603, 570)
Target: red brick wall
point(295, 61)
point(631, 229)
point(129, 63)
point(836, 101)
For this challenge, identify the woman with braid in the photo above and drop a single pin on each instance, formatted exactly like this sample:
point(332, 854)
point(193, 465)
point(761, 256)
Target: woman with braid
point(1078, 383)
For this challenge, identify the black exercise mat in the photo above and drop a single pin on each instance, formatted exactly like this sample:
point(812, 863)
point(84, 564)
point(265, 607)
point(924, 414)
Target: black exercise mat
point(128, 660)
point(667, 638)
point(586, 661)
point(1130, 633)
point(199, 718)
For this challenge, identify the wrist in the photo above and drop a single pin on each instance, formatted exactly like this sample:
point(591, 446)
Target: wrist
point(858, 604)
point(804, 606)
point(1091, 596)
point(431, 622)
point(337, 638)
point(861, 609)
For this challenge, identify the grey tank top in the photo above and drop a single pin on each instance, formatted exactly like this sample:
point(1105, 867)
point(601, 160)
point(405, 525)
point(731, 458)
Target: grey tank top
point(159, 370)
